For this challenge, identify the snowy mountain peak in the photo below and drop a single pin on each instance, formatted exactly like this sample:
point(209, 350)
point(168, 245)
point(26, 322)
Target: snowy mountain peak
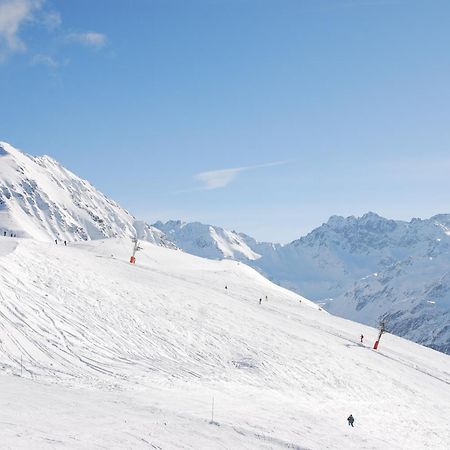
point(6, 148)
point(368, 221)
point(41, 199)
point(3, 148)
point(207, 240)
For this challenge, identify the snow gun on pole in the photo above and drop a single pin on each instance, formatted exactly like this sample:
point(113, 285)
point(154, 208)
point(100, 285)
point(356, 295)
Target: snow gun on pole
point(136, 248)
point(382, 331)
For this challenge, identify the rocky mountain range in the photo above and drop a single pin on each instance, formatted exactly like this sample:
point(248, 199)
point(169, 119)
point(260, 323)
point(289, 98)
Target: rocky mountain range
point(41, 199)
point(365, 268)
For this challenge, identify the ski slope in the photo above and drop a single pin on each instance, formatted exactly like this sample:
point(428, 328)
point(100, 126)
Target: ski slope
point(97, 353)
point(364, 269)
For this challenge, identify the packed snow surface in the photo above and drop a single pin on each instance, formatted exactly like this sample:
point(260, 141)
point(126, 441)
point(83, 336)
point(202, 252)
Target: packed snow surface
point(98, 353)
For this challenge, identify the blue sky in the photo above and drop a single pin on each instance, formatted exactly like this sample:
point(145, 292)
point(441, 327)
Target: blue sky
point(261, 116)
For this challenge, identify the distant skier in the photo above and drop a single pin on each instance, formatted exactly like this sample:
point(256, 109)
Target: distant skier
point(260, 300)
point(350, 420)
point(362, 338)
point(226, 287)
point(56, 241)
point(4, 233)
point(266, 298)
point(65, 243)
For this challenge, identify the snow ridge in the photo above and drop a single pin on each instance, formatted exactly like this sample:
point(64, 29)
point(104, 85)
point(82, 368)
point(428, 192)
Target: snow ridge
point(41, 199)
point(207, 241)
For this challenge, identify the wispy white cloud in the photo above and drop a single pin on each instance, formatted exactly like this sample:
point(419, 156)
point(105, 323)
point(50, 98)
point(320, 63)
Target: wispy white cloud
point(51, 20)
point(13, 14)
point(215, 179)
point(89, 39)
point(44, 60)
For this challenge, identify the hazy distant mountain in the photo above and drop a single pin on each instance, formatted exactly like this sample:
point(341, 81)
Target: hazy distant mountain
point(207, 241)
point(362, 268)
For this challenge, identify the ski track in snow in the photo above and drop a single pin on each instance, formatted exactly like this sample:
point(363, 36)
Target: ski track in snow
point(96, 353)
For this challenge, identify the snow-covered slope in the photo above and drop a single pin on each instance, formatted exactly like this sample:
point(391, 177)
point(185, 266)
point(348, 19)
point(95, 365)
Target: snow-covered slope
point(373, 268)
point(207, 241)
point(122, 356)
point(41, 199)
point(410, 259)
point(412, 296)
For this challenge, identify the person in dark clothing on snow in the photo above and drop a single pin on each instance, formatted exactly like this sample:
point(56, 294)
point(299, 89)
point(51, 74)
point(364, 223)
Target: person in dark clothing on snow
point(362, 337)
point(350, 420)
point(260, 300)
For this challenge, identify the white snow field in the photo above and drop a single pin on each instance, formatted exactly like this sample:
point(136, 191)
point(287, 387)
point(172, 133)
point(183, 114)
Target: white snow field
point(98, 354)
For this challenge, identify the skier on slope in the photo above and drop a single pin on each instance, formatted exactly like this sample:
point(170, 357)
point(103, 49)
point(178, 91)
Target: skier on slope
point(350, 419)
point(362, 338)
point(260, 300)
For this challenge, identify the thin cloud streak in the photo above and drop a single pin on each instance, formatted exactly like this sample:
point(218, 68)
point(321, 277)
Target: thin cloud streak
point(44, 60)
point(216, 179)
point(89, 39)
